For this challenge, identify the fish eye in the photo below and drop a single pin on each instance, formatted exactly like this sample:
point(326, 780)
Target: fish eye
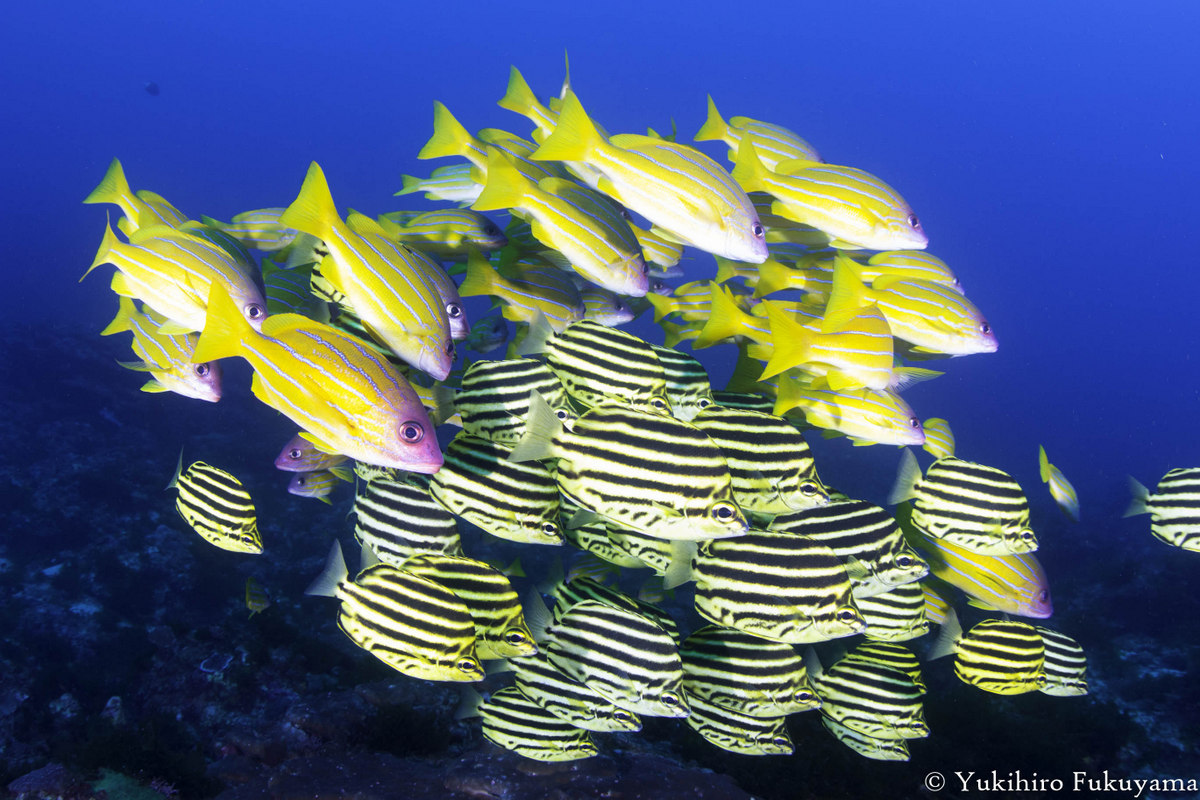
point(295, 453)
point(450, 349)
point(658, 403)
point(758, 230)
point(670, 699)
point(561, 414)
point(515, 638)
point(1027, 535)
point(645, 268)
point(301, 480)
point(412, 432)
point(1043, 595)
point(621, 715)
point(779, 741)
point(255, 311)
point(549, 528)
point(724, 512)
point(704, 402)
point(625, 215)
point(202, 369)
point(808, 488)
point(468, 665)
point(913, 222)
point(904, 561)
point(453, 310)
point(985, 328)
point(490, 229)
point(847, 615)
point(804, 697)
point(914, 423)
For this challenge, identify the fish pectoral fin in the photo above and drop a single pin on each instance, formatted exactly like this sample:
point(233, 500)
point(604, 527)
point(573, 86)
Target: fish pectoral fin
point(318, 444)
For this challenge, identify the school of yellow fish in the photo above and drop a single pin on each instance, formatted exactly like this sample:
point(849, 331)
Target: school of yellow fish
point(590, 437)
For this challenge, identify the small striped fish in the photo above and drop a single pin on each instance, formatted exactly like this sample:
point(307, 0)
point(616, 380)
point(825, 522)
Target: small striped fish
point(897, 615)
point(866, 537)
point(854, 207)
point(414, 625)
point(500, 630)
point(864, 415)
point(559, 301)
point(869, 746)
point(317, 485)
point(745, 673)
point(454, 183)
point(997, 656)
point(1060, 488)
point(652, 473)
point(749, 401)
point(258, 229)
point(684, 193)
point(770, 464)
point(774, 143)
point(446, 232)
point(737, 732)
point(894, 656)
point(604, 306)
point(870, 696)
point(592, 538)
point(939, 439)
point(217, 507)
point(688, 390)
point(1174, 507)
point(1013, 584)
point(1065, 664)
point(568, 699)
point(167, 358)
point(622, 655)
point(777, 586)
point(969, 505)
point(397, 518)
point(856, 354)
point(508, 499)
point(597, 364)
point(494, 398)
point(651, 551)
point(517, 723)
point(909, 265)
point(300, 455)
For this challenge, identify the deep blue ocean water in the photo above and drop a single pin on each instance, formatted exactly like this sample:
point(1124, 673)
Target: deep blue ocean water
point(1049, 149)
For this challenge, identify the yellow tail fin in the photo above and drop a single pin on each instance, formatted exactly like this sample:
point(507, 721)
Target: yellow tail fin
point(313, 211)
point(714, 127)
point(224, 327)
point(575, 136)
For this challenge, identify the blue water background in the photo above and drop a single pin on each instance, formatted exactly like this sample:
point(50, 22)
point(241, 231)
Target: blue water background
point(1050, 150)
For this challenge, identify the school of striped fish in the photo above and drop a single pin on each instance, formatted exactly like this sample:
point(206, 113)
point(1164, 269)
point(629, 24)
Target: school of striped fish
point(584, 436)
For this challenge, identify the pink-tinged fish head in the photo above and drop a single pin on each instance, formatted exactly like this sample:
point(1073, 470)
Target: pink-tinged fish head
point(745, 237)
point(630, 276)
point(413, 444)
point(203, 382)
point(436, 357)
point(311, 484)
point(296, 455)
point(456, 314)
point(250, 302)
point(1035, 602)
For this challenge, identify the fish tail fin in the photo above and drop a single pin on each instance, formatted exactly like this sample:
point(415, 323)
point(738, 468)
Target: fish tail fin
point(505, 186)
point(449, 137)
point(538, 334)
point(773, 276)
point(178, 471)
point(313, 211)
point(848, 295)
point(676, 333)
point(104, 254)
point(541, 426)
point(518, 96)
point(481, 278)
point(468, 704)
point(663, 306)
point(789, 395)
point(904, 377)
point(123, 321)
point(334, 573)
point(906, 479)
point(948, 638)
point(792, 341)
point(749, 170)
point(1141, 497)
point(679, 568)
point(574, 137)
point(725, 318)
point(726, 269)
point(714, 126)
point(1043, 464)
point(410, 184)
point(114, 188)
point(224, 327)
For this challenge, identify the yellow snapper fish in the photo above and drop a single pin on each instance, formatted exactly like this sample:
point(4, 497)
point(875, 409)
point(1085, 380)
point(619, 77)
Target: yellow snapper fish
point(680, 190)
point(774, 143)
point(138, 211)
point(596, 241)
point(854, 207)
point(523, 301)
point(445, 233)
point(453, 183)
point(258, 229)
point(450, 138)
point(939, 439)
point(171, 271)
point(397, 303)
point(856, 355)
point(909, 265)
point(933, 317)
point(341, 392)
point(430, 269)
point(167, 358)
point(809, 275)
point(1061, 488)
point(864, 415)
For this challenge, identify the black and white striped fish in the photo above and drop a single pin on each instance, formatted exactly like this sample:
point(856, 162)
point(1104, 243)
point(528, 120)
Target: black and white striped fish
point(870, 696)
point(397, 518)
point(1174, 507)
point(1065, 664)
point(745, 673)
point(494, 398)
point(897, 615)
point(737, 732)
point(998, 656)
point(569, 699)
point(517, 723)
point(597, 365)
point(688, 389)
